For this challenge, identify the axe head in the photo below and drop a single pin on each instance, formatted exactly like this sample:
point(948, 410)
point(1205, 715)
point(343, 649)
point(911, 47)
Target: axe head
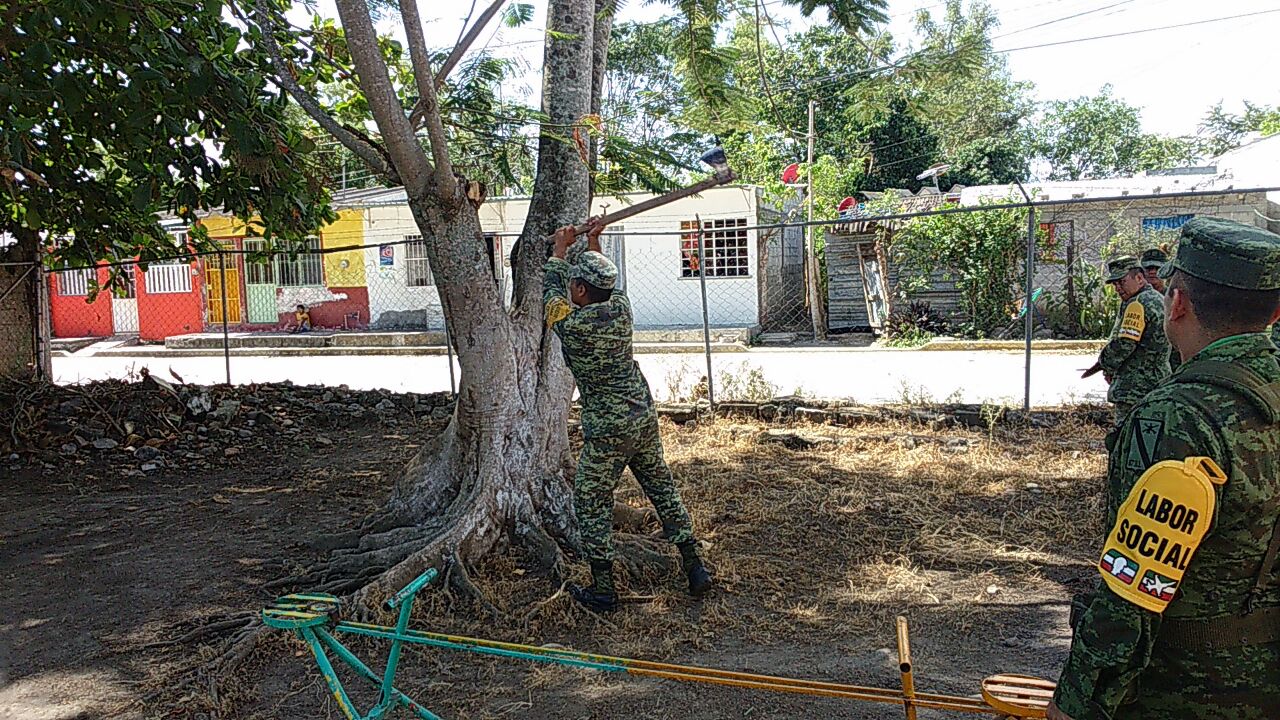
point(718, 162)
point(717, 159)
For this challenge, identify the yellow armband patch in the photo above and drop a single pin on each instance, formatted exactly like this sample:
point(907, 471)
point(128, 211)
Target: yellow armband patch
point(1134, 322)
point(557, 310)
point(1158, 529)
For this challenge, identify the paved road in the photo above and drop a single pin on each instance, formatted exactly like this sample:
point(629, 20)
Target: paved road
point(867, 376)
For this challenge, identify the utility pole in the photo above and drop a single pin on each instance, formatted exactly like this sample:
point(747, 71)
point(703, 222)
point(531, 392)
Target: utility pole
point(811, 256)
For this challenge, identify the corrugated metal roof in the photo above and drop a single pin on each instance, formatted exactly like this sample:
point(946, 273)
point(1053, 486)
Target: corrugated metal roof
point(373, 197)
point(926, 199)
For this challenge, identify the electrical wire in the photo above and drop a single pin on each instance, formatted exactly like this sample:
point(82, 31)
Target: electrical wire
point(1138, 32)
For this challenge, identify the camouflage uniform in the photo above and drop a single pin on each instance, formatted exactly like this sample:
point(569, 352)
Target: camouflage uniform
point(1215, 650)
point(619, 421)
point(1137, 355)
point(1154, 259)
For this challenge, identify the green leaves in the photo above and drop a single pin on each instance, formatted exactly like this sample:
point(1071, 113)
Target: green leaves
point(517, 14)
point(980, 251)
point(1101, 136)
point(110, 126)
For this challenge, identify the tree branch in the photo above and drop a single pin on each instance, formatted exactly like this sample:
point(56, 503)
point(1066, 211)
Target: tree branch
point(428, 100)
point(368, 152)
point(384, 103)
point(455, 56)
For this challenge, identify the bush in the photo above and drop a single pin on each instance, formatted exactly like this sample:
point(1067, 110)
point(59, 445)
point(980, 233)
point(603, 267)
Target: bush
point(914, 325)
point(981, 251)
point(1093, 312)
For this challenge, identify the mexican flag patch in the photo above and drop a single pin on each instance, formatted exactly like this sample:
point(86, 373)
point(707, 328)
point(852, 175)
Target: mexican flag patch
point(1158, 586)
point(1119, 566)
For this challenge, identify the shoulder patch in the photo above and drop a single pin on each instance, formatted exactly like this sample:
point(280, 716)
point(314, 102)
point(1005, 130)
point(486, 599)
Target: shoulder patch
point(1134, 321)
point(1158, 529)
point(1144, 438)
point(558, 309)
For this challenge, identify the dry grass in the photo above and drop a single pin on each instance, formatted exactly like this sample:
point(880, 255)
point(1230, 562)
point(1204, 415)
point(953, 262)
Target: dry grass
point(837, 537)
point(810, 547)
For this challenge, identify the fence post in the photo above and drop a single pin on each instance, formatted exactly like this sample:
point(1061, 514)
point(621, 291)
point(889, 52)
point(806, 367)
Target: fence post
point(706, 322)
point(1030, 307)
point(44, 324)
point(226, 342)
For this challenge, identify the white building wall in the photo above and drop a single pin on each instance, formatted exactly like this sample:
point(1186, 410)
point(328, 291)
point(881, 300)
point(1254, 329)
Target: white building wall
point(660, 296)
point(393, 304)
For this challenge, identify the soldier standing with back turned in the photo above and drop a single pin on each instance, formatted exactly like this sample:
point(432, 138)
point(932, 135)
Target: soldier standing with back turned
point(619, 420)
point(1187, 622)
point(1137, 355)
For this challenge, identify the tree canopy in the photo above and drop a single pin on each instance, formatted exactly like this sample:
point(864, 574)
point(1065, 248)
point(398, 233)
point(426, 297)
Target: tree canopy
point(111, 115)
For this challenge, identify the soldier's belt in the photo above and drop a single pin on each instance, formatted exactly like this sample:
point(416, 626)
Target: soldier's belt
point(1259, 627)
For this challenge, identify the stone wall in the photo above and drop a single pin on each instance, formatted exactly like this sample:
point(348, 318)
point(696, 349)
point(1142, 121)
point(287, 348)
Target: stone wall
point(805, 410)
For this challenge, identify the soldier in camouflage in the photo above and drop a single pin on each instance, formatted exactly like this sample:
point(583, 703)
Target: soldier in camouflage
point(619, 420)
point(1137, 355)
point(1152, 261)
point(1213, 648)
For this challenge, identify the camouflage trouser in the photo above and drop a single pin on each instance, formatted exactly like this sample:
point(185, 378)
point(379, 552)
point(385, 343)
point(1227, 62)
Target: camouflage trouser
point(600, 466)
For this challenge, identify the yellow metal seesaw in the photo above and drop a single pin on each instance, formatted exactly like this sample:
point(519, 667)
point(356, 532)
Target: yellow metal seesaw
point(310, 615)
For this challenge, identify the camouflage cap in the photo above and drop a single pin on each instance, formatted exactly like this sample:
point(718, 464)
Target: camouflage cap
point(1120, 267)
point(1154, 258)
point(595, 269)
point(1227, 253)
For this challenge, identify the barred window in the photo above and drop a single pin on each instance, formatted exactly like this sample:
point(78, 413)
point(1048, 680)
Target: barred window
point(171, 275)
point(417, 267)
point(258, 270)
point(724, 248)
point(76, 282)
point(306, 269)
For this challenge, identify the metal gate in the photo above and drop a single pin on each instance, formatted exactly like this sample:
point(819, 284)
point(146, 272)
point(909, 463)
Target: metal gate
point(124, 308)
point(260, 285)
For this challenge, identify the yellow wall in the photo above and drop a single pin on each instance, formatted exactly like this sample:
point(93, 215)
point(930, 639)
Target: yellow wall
point(346, 231)
point(223, 226)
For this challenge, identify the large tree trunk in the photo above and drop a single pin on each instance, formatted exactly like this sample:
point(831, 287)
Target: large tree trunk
point(500, 470)
point(19, 308)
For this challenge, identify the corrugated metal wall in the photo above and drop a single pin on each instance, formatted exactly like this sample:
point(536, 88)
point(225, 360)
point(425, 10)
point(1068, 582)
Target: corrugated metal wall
point(846, 288)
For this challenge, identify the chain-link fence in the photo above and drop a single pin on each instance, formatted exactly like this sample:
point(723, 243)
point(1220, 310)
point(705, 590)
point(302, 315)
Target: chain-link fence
point(707, 293)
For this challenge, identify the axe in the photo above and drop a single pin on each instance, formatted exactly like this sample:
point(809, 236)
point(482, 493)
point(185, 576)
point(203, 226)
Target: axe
point(714, 158)
point(1092, 370)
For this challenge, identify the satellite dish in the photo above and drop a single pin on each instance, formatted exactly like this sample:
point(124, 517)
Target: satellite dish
point(791, 174)
point(846, 204)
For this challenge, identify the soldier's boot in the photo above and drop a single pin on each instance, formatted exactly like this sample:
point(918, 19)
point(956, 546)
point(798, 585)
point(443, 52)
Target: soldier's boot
point(700, 580)
point(601, 597)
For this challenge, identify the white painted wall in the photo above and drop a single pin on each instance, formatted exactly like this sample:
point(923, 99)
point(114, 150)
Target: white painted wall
point(392, 303)
point(659, 295)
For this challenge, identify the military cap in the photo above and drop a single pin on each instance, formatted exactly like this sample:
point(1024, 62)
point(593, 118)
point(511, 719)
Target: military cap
point(1118, 268)
point(1154, 258)
point(1227, 253)
point(595, 269)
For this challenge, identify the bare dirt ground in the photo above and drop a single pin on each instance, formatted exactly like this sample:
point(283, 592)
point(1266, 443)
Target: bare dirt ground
point(978, 537)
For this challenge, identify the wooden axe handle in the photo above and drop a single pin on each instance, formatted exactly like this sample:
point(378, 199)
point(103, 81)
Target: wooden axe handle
point(720, 178)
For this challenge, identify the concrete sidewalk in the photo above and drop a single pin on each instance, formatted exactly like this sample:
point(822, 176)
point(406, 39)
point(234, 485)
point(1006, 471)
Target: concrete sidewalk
point(859, 374)
point(325, 343)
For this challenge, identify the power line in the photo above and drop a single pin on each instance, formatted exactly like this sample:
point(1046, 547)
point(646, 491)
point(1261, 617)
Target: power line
point(1138, 32)
point(1062, 19)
